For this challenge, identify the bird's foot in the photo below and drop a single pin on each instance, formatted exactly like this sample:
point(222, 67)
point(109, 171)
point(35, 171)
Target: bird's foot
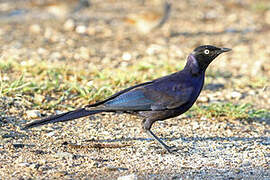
point(171, 149)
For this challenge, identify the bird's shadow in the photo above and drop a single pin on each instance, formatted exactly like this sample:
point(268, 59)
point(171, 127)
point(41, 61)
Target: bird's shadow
point(186, 139)
point(263, 140)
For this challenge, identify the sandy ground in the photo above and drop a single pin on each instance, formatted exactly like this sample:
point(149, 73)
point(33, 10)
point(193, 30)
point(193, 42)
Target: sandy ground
point(109, 146)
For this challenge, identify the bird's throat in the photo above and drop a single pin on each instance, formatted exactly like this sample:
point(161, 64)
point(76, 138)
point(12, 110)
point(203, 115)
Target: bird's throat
point(193, 66)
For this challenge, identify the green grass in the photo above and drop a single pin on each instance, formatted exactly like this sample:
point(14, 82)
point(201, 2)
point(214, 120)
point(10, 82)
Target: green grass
point(260, 6)
point(230, 111)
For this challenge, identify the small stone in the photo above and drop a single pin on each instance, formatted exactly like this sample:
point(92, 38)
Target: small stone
point(252, 92)
point(195, 125)
point(203, 99)
point(42, 51)
point(69, 25)
point(35, 28)
point(126, 56)
point(5, 78)
point(128, 177)
point(63, 155)
point(81, 29)
point(33, 166)
point(24, 63)
point(90, 83)
point(39, 98)
point(33, 113)
point(58, 112)
point(236, 95)
point(50, 134)
point(210, 15)
point(203, 118)
point(23, 164)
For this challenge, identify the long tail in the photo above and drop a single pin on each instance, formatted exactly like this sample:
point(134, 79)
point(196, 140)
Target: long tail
point(63, 117)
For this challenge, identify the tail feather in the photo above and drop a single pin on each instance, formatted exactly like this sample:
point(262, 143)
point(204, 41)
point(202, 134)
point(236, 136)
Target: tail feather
point(63, 117)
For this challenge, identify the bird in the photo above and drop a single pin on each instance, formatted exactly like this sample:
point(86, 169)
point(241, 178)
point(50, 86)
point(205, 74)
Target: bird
point(146, 21)
point(155, 100)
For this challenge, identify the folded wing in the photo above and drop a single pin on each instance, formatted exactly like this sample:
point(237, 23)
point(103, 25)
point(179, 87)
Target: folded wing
point(148, 98)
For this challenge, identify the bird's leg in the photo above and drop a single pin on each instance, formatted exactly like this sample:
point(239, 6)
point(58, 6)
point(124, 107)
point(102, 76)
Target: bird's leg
point(147, 124)
point(150, 133)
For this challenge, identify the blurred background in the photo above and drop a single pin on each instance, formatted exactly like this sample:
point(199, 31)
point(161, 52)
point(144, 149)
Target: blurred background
point(56, 55)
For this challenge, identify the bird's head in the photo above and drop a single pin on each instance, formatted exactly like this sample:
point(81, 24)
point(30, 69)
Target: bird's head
point(206, 54)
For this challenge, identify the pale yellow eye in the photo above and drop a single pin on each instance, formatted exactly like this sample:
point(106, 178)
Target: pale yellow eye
point(206, 51)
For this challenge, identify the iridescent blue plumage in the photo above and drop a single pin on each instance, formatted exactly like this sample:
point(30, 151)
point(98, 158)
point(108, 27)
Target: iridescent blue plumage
point(133, 100)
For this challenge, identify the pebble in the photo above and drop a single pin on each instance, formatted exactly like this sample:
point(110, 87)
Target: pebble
point(63, 155)
point(81, 29)
point(33, 113)
point(39, 98)
point(128, 177)
point(211, 15)
point(5, 78)
point(69, 25)
point(126, 56)
point(33, 166)
point(203, 99)
point(58, 112)
point(23, 164)
point(42, 51)
point(195, 125)
point(50, 134)
point(35, 28)
point(90, 83)
point(236, 95)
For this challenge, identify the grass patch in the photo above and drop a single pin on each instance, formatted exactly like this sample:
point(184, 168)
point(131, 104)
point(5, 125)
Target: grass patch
point(230, 111)
point(260, 6)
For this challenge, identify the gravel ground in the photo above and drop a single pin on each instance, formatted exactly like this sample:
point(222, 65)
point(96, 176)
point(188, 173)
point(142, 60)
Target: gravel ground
point(113, 145)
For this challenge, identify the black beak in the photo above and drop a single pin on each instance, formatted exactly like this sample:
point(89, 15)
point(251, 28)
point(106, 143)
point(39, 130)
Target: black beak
point(222, 50)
